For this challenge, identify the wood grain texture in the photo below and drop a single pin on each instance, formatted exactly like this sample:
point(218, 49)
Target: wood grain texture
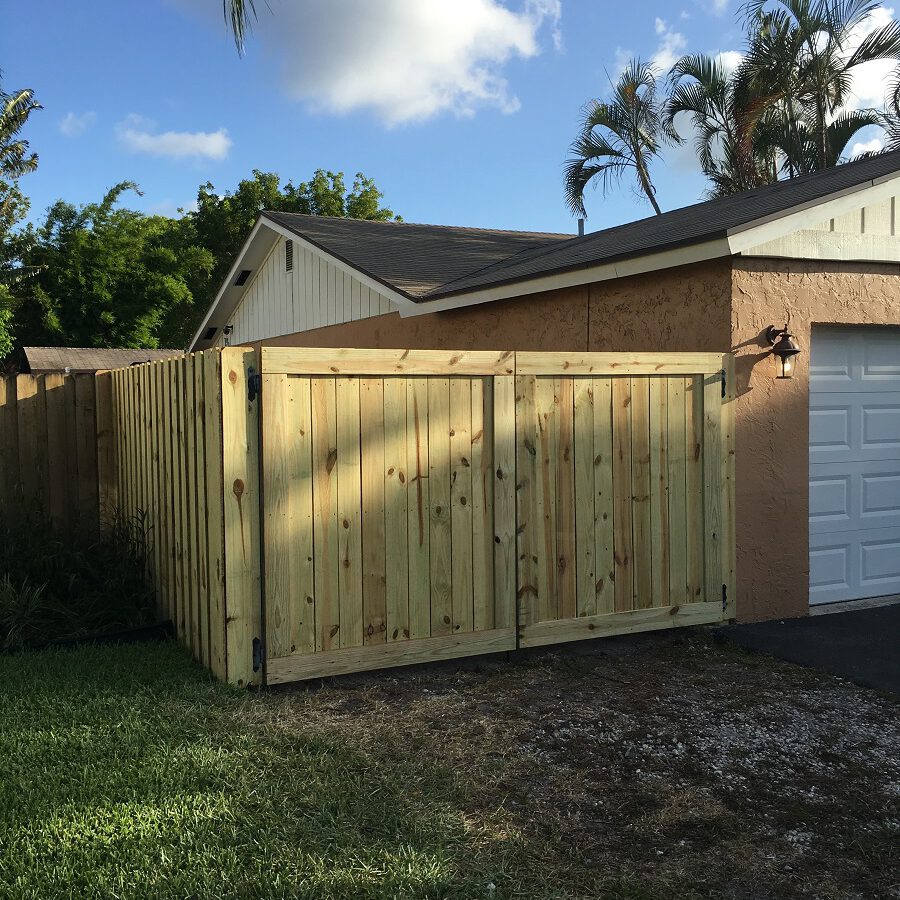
point(240, 475)
point(323, 361)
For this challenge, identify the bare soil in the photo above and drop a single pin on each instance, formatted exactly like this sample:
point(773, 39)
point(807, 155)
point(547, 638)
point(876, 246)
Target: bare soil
point(651, 767)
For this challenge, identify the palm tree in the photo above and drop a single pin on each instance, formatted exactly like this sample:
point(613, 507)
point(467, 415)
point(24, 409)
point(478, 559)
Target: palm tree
point(15, 108)
point(729, 122)
point(801, 58)
point(239, 15)
point(626, 133)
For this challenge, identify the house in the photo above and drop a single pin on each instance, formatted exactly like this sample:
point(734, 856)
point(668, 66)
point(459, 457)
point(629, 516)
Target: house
point(817, 456)
point(77, 360)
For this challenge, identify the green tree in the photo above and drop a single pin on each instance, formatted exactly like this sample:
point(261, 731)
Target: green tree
point(16, 160)
point(620, 135)
point(107, 277)
point(801, 54)
point(785, 110)
point(735, 133)
point(222, 222)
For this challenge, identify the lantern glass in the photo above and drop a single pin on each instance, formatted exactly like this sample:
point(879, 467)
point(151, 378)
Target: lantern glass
point(786, 365)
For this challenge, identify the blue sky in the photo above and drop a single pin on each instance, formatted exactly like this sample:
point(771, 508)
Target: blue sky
point(461, 110)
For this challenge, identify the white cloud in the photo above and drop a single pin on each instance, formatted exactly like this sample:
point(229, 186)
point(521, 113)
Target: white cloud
point(876, 145)
point(139, 135)
point(719, 6)
point(404, 60)
point(670, 49)
point(870, 81)
point(74, 125)
point(730, 59)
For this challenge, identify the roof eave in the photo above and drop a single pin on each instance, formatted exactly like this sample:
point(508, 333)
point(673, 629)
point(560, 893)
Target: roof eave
point(622, 267)
point(227, 286)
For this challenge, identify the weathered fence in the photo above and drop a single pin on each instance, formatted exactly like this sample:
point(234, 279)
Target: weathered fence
point(49, 449)
point(313, 512)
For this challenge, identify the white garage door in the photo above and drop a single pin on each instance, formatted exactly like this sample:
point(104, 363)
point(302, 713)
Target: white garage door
point(854, 463)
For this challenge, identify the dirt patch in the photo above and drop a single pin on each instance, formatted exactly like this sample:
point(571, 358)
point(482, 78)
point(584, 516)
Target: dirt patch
point(661, 766)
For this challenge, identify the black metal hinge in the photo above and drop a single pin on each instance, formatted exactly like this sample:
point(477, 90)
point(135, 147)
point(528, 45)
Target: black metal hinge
point(259, 654)
point(724, 597)
point(254, 384)
point(724, 378)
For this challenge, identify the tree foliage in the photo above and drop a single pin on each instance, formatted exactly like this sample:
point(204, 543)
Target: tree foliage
point(785, 110)
point(16, 160)
point(101, 275)
point(620, 135)
point(222, 221)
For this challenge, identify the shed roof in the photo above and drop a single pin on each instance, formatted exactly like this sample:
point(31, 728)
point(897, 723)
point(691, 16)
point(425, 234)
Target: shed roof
point(89, 359)
point(426, 262)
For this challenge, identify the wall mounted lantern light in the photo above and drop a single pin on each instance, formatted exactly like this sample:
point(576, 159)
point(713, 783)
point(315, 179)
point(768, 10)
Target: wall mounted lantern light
point(784, 349)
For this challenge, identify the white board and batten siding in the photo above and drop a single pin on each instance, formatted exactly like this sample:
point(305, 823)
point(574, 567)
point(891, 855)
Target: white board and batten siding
point(313, 294)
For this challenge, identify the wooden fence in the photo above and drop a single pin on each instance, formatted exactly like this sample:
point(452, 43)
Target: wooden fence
point(168, 462)
point(49, 449)
point(625, 474)
point(314, 512)
point(389, 508)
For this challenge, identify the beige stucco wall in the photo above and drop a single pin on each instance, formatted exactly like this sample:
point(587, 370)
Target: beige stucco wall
point(772, 421)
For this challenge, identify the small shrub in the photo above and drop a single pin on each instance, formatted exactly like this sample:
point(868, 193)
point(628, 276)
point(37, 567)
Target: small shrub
point(55, 589)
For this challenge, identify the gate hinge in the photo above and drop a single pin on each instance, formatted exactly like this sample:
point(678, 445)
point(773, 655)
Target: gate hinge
point(724, 597)
point(254, 384)
point(259, 654)
point(723, 375)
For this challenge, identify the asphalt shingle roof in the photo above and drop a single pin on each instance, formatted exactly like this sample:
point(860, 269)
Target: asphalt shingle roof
point(425, 262)
point(89, 359)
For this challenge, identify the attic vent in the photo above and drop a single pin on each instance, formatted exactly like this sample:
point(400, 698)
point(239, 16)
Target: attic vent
point(288, 256)
point(242, 278)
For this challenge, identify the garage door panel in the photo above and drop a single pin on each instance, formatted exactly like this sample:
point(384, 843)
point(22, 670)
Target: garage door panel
point(881, 425)
point(844, 500)
point(830, 432)
point(855, 427)
point(879, 563)
point(854, 471)
point(829, 502)
point(855, 565)
point(880, 360)
point(830, 575)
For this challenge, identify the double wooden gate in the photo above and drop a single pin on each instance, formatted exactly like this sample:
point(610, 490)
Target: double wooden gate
point(423, 505)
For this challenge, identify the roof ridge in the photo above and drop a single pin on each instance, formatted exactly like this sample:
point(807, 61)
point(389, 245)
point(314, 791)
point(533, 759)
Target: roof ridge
point(560, 234)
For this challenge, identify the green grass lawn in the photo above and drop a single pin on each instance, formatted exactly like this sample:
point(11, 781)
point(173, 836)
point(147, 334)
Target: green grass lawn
point(126, 772)
point(648, 768)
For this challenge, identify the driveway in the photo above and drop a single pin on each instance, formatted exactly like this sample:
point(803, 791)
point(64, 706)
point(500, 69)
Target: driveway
point(862, 646)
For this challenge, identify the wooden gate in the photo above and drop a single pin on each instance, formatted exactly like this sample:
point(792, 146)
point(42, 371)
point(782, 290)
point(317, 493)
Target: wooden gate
point(388, 508)
point(625, 501)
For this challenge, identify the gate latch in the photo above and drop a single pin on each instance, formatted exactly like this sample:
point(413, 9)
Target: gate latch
point(258, 654)
point(254, 384)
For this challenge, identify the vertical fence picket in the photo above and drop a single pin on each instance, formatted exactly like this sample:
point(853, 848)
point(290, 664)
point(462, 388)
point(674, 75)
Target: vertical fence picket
point(396, 487)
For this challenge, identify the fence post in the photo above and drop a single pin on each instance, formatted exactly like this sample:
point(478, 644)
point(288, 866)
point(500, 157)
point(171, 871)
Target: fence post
point(240, 482)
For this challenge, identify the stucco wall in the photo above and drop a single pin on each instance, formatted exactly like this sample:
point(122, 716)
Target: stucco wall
point(772, 422)
point(677, 309)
